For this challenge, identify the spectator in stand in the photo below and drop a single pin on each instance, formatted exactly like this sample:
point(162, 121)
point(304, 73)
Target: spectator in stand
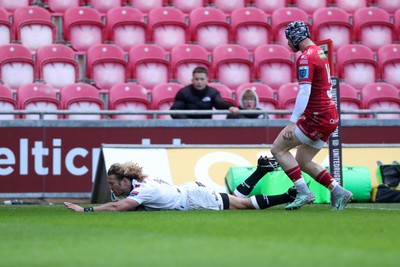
point(248, 100)
point(200, 96)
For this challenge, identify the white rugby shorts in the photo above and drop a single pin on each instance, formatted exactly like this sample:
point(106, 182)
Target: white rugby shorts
point(202, 198)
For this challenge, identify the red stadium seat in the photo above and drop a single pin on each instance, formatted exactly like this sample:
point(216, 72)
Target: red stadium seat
point(381, 96)
point(349, 100)
point(310, 6)
point(186, 57)
point(33, 27)
point(38, 97)
point(83, 27)
point(281, 17)
point(57, 65)
point(16, 65)
point(226, 94)
point(274, 65)
point(333, 23)
point(186, 6)
point(103, 6)
point(269, 6)
point(163, 96)
point(250, 27)
point(148, 65)
point(11, 5)
point(350, 6)
point(391, 6)
point(232, 65)
point(6, 28)
point(167, 27)
point(266, 97)
point(356, 65)
point(389, 63)
point(60, 6)
point(227, 6)
point(287, 95)
point(373, 27)
point(7, 102)
point(129, 97)
point(146, 6)
point(209, 27)
point(81, 97)
point(126, 27)
point(106, 65)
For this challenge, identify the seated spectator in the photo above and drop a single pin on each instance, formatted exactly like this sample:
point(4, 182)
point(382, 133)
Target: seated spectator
point(200, 96)
point(248, 100)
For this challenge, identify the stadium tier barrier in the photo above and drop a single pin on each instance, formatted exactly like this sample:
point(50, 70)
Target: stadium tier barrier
point(357, 179)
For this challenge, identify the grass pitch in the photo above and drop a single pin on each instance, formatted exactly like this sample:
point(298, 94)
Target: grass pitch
point(362, 235)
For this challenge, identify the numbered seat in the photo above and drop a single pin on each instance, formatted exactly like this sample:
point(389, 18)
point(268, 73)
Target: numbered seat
point(57, 65)
point(311, 6)
point(103, 6)
point(350, 6)
point(391, 6)
point(38, 97)
point(187, 6)
point(7, 103)
point(227, 6)
point(269, 6)
point(6, 28)
point(163, 96)
point(11, 6)
point(129, 97)
point(389, 63)
point(146, 6)
point(381, 97)
point(60, 6)
point(287, 94)
point(349, 101)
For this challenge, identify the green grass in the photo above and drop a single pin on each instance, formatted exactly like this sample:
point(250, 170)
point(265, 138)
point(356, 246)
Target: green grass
point(361, 235)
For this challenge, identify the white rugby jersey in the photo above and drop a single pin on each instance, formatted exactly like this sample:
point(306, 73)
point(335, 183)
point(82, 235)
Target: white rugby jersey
point(156, 194)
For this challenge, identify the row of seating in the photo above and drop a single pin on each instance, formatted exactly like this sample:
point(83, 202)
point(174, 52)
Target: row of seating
point(83, 27)
point(133, 97)
point(186, 6)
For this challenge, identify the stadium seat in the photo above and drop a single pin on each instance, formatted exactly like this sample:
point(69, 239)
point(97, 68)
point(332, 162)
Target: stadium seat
point(81, 97)
point(274, 65)
point(269, 6)
point(146, 6)
point(333, 23)
point(232, 65)
point(7, 103)
point(57, 65)
point(226, 94)
point(126, 27)
point(167, 27)
point(60, 6)
point(389, 63)
point(186, 57)
point(106, 65)
point(287, 94)
point(6, 28)
point(38, 97)
point(310, 6)
point(209, 27)
point(227, 6)
point(391, 6)
point(350, 6)
point(148, 65)
point(381, 96)
point(281, 17)
point(11, 5)
point(163, 96)
point(129, 97)
point(186, 6)
point(83, 27)
point(33, 27)
point(373, 28)
point(266, 97)
point(250, 27)
point(356, 65)
point(103, 6)
point(17, 65)
point(350, 100)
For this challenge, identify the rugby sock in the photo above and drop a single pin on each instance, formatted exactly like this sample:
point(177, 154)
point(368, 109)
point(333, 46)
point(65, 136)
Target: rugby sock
point(326, 179)
point(295, 175)
point(261, 202)
point(245, 188)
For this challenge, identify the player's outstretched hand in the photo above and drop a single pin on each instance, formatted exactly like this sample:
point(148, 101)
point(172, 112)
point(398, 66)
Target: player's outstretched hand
point(73, 207)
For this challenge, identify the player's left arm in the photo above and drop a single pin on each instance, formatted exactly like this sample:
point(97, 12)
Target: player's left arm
point(121, 205)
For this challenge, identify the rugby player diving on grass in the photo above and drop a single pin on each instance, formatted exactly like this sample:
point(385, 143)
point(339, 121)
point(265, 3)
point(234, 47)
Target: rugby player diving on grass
point(133, 190)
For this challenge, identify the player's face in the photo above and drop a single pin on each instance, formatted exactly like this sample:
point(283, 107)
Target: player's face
point(119, 187)
point(199, 81)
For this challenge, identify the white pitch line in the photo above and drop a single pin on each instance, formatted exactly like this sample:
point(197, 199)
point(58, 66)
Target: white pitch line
point(370, 208)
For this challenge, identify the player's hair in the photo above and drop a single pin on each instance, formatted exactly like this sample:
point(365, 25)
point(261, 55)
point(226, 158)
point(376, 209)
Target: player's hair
point(129, 170)
point(200, 70)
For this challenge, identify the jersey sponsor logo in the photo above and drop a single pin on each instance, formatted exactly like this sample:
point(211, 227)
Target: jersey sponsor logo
point(133, 193)
point(304, 72)
point(303, 61)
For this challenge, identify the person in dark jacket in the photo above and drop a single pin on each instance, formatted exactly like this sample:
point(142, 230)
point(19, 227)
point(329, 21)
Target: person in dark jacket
point(200, 96)
point(248, 100)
